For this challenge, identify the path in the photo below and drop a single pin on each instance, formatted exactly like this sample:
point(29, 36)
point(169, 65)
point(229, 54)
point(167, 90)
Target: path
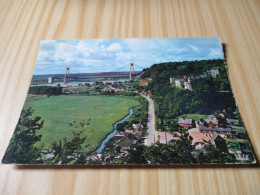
point(151, 132)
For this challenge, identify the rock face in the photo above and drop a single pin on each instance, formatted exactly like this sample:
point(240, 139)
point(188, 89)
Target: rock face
point(145, 82)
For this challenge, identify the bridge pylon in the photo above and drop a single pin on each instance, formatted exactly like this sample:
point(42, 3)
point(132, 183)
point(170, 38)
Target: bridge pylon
point(50, 79)
point(66, 76)
point(132, 71)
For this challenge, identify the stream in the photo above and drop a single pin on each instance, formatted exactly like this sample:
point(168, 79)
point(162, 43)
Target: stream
point(101, 147)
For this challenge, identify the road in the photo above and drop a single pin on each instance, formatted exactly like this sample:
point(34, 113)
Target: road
point(151, 132)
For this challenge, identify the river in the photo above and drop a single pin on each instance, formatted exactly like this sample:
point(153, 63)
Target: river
point(76, 84)
point(101, 147)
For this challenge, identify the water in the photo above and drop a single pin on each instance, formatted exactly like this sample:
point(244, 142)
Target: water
point(101, 147)
point(76, 84)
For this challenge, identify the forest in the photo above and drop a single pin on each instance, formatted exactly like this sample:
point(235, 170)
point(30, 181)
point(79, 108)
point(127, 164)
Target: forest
point(209, 95)
point(48, 90)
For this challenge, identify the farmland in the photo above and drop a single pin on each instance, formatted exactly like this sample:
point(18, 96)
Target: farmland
point(58, 111)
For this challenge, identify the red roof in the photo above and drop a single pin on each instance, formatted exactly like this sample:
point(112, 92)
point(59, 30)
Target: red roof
point(185, 121)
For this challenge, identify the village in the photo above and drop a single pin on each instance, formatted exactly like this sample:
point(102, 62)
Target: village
point(208, 130)
point(222, 130)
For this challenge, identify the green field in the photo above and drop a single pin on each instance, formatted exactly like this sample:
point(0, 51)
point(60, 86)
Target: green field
point(194, 116)
point(58, 111)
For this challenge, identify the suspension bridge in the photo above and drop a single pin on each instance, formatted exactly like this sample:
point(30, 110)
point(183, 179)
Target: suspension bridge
point(67, 75)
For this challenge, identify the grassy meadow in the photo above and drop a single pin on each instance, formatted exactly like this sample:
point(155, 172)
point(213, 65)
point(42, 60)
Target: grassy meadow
point(58, 111)
point(194, 116)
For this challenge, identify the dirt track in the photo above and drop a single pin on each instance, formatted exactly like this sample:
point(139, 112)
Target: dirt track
point(151, 122)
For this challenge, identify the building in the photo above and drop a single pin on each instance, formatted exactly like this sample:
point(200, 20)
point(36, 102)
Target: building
point(209, 122)
point(185, 122)
point(213, 72)
point(112, 90)
point(239, 134)
point(182, 83)
point(219, 142)
point(50, 80)
point(213, 117)
point(127, 142)
point(209, 131)
point(179, 83)
point(232, 121)
point(197, 138)
point(137, 127)
point(239, 155)
point(172, 81)
point(187, 85)
point(164, 137)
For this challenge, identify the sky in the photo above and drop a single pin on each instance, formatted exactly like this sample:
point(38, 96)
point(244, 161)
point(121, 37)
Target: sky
point(113, 55)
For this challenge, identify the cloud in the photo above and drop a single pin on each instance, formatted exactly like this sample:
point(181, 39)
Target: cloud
point(193, 47)
point(114, 47)
point(105, 55)
point(215, 54)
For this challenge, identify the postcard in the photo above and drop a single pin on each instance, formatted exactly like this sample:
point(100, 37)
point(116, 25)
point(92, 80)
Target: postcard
point(150, 101)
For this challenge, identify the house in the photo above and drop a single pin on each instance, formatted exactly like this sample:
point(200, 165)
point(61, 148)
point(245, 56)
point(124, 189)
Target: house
point(137, 126)
point(66, 91)
point(172, 81)
point(232, 121)
point(213, 117)
point(137, 134)
point(213, 72)
point(219, 142)
point(107, 89)
point(197, 138)
point(179, 83)
point(164, 137)
point(187, 85)
point(209, 131)
point(239, 155)
point(182, 83)
point(136, 130)
point(185, 122)
point(209, 122)
point(127, 142)
point(239, 134)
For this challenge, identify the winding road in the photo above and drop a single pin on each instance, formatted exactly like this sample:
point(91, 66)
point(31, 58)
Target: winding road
point(151, 132)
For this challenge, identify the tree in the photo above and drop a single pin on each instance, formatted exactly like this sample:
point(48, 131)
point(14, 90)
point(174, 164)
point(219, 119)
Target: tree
point(178, 151)
point(213, 155)
point(174, 126)
point(71, 151)
point(120, 127)
point(22, 145)
point(136, 156)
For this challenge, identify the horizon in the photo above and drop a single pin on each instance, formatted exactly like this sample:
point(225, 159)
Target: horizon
point(107, 55)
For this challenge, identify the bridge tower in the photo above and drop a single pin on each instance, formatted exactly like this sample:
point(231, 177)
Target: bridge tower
point(50, 79)
point(66, 76)
point(132, 71)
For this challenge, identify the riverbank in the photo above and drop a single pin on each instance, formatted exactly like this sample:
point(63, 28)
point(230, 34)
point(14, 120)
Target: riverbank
point(113, 133)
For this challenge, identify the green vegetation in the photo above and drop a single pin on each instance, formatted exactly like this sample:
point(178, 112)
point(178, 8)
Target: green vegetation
point(209, 94)
point(140, 114)
point(177, 152)
point(21, 148)
point(177, 69)
point(71, 151)
point(58, 111)
point(40, 90)
point(194, 116)
point(235, 145)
